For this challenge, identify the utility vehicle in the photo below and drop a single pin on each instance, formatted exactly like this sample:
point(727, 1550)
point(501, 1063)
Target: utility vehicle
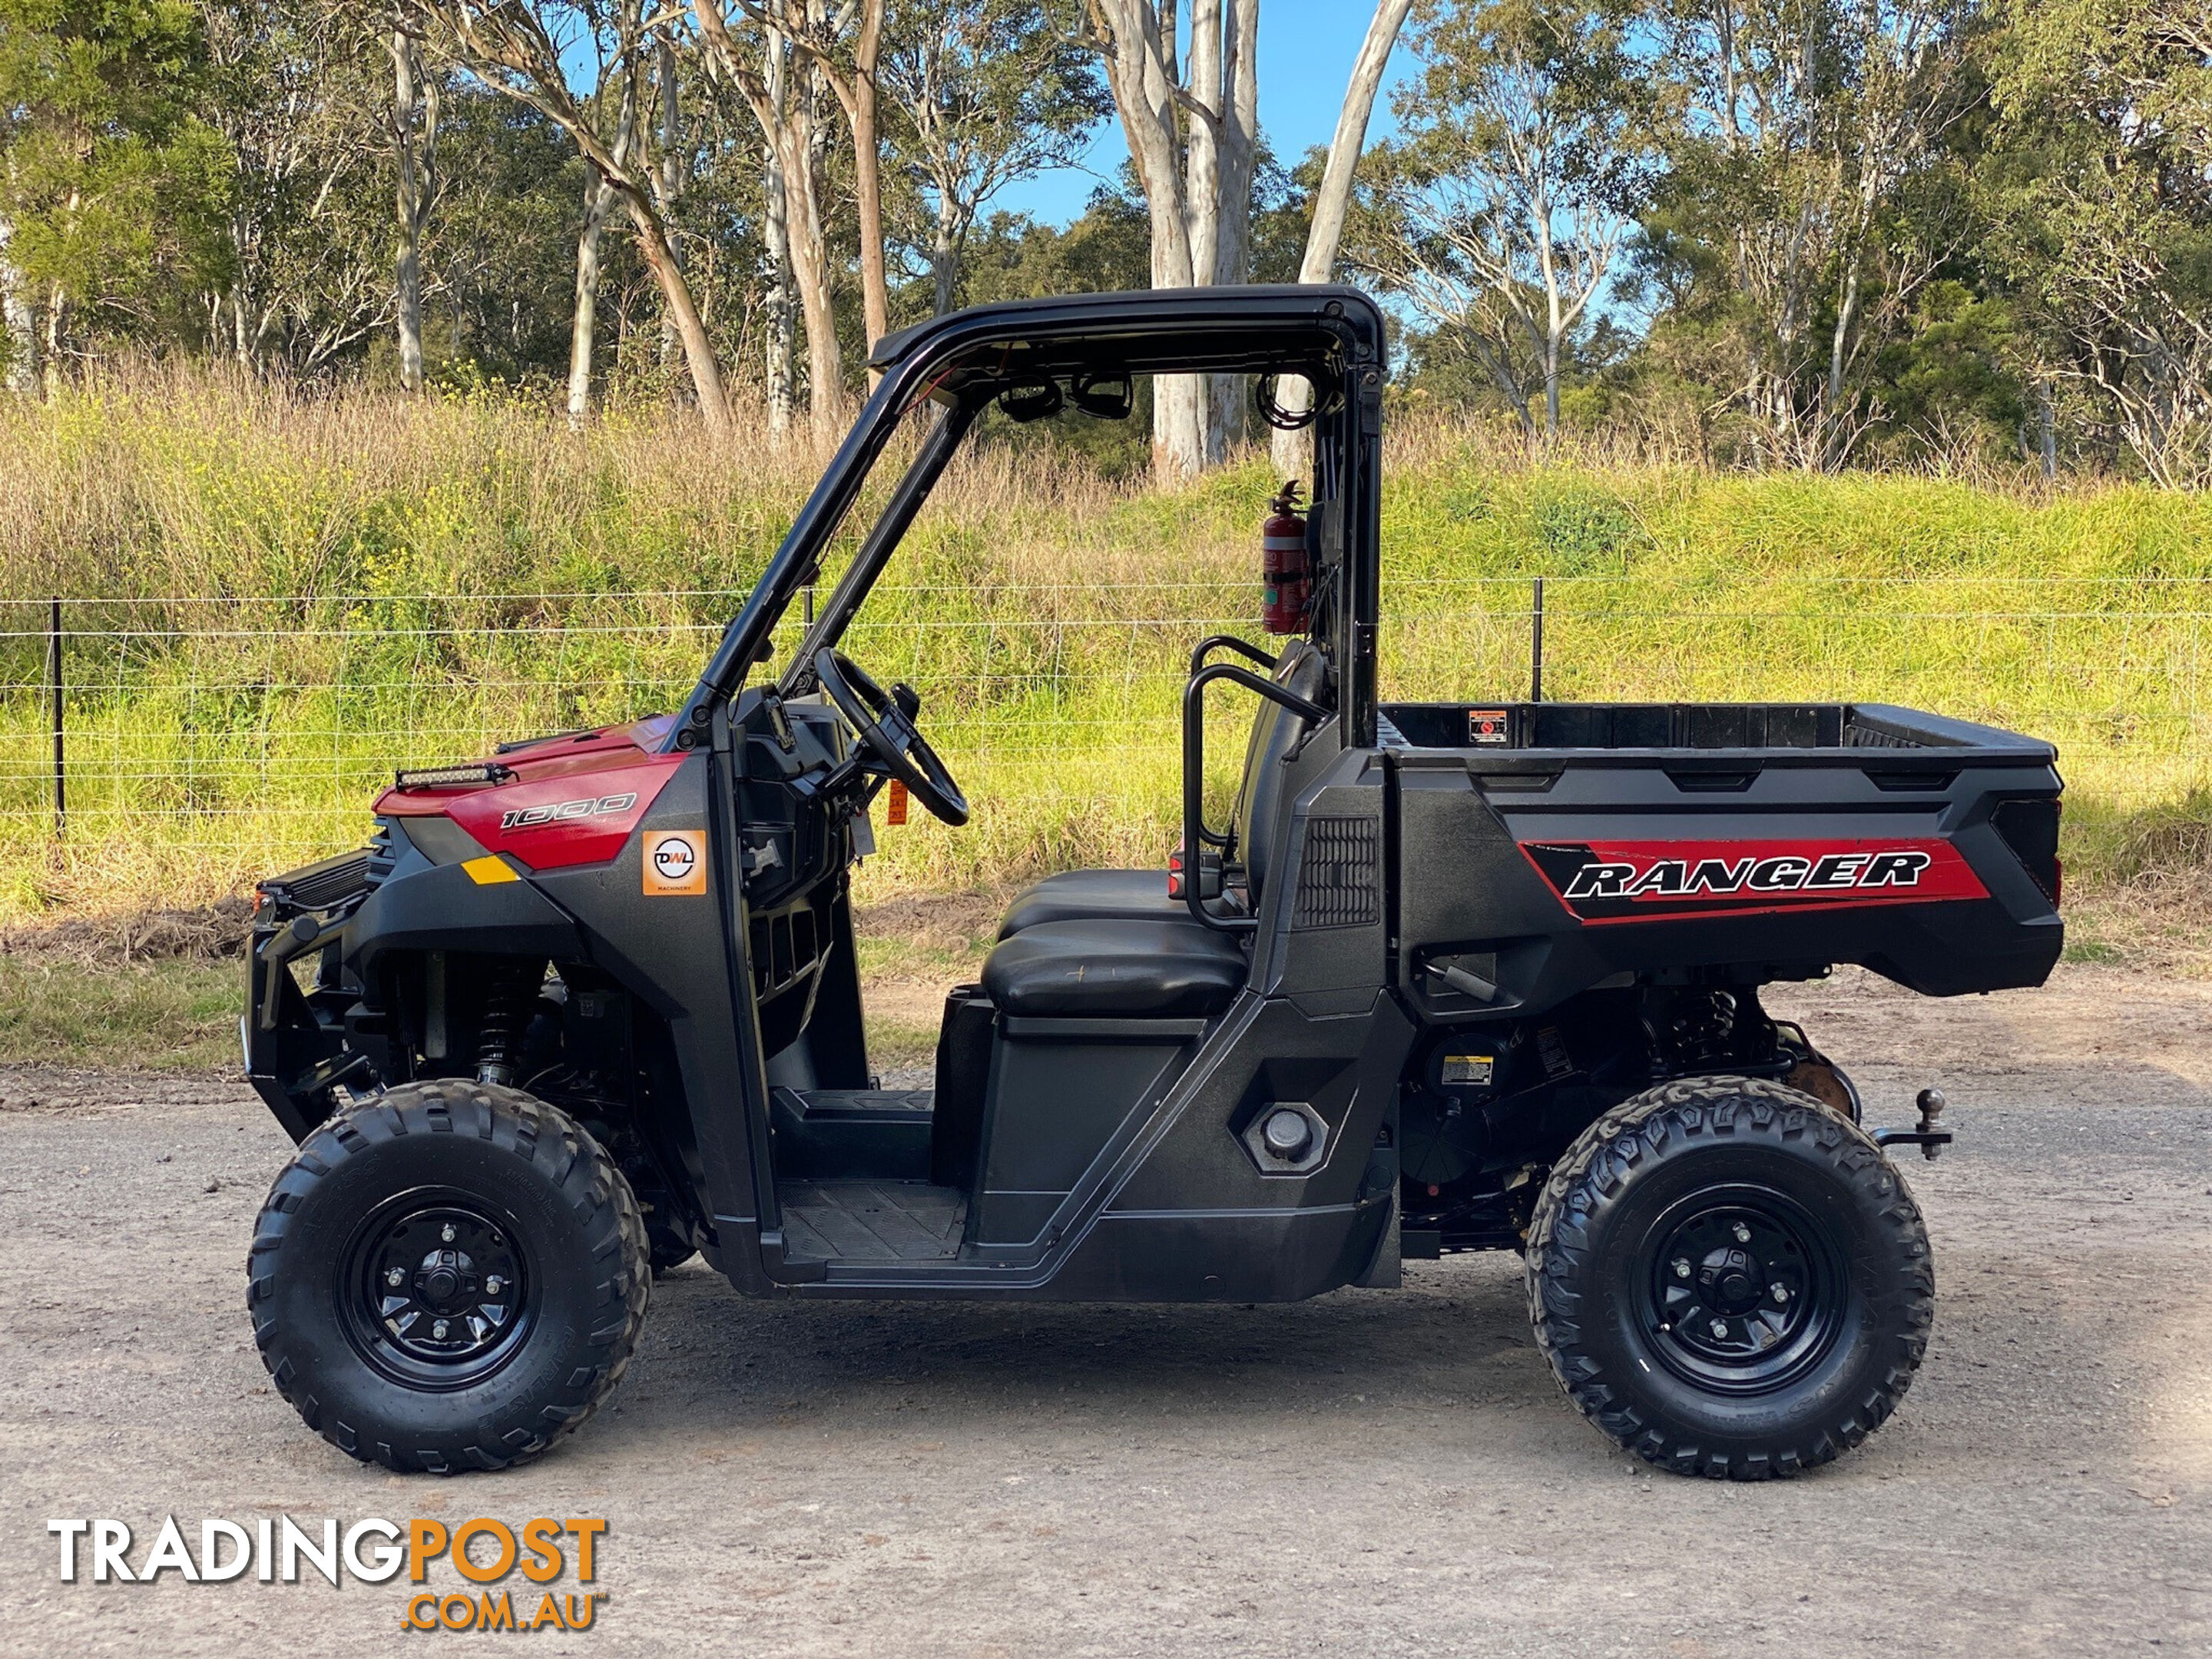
point(1453, 976)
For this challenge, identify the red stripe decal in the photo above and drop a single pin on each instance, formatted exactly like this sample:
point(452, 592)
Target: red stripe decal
point(1654, 880)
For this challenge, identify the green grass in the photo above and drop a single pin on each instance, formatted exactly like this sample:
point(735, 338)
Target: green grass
point(176, 1015)
point(181, 1015)
point(370, 552)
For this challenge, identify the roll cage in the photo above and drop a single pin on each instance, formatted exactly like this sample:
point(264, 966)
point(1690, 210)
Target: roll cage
point(1334, 335)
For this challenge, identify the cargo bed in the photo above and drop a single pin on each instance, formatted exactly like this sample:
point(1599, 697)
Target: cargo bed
point(1768, 839)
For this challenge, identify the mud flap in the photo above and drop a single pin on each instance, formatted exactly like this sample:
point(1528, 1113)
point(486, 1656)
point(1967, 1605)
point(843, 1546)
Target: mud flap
point(1382, 1271)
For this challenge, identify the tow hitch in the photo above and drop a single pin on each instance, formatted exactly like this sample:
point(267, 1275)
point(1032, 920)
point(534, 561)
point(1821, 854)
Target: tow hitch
point(1924, 1134)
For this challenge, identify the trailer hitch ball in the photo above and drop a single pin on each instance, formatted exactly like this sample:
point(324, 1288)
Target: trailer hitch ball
point(1927, 1134)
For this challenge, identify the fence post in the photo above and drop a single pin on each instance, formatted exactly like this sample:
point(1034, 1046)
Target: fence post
point(54, 690)
point(1536, 645)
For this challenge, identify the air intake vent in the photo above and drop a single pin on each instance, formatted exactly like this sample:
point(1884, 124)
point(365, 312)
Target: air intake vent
point(1340, 885)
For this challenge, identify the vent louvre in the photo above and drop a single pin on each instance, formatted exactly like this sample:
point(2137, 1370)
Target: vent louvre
point(1339, 882)
point(381, 855)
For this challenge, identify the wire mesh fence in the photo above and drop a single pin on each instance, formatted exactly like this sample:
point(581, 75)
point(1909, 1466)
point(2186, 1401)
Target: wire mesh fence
point(202, 740)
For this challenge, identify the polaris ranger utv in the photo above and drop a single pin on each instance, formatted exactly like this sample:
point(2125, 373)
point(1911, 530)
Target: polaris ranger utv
point(1453, 976)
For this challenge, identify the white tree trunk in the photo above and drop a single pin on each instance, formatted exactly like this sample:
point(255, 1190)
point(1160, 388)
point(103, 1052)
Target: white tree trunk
point(806, 147)
point(668, 179)
point(1138, 69)
point(414, 126)
point(780, 341)
point(599, 201)
point(1202, 199)
point(1293, 450)
point(1239, 147)
point(944, 252)
point(50, 363)
point(20, 320)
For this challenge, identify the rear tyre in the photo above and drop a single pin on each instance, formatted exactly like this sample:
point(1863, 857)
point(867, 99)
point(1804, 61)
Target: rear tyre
point(1729, 1279)
point(447, 1277)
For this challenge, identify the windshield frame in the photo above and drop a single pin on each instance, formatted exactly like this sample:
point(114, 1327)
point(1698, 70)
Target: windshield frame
point(961, 361)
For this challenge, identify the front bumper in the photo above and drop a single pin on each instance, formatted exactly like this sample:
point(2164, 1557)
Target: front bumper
point(293, 1038)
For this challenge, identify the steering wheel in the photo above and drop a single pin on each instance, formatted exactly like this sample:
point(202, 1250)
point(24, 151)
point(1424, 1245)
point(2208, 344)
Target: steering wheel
point(883, 720)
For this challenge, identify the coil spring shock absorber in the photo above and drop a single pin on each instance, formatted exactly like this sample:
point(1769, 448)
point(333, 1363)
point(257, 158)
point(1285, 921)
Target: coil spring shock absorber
point(510, 998)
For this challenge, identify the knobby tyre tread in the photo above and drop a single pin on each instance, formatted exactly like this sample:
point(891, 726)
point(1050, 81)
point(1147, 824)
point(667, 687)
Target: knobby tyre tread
point(610, 1282)
point(1585, 1191)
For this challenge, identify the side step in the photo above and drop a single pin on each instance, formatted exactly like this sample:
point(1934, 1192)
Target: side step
point(871, 1220)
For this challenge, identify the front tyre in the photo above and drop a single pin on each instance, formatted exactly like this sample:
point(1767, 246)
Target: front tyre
point(447, 1277)
point(1729, 1279)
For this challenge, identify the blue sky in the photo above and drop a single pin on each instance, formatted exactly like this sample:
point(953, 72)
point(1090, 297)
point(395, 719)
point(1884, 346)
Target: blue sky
point(1306, 49)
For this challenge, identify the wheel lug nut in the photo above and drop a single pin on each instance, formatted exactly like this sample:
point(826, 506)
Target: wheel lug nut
point(1742, 1233)
point(1781, 1293)
point(1681, 1269)
point(1719, 1327)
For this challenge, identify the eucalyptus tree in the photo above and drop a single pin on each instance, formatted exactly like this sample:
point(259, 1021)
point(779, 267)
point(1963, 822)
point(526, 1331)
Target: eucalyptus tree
point(1812, 189)
point(777, 58)
point(1502, 206)
point(292, 87)
point(1193, 140)
point(988, 93)
point(113, 191)
point(1332, 199)
point(524, 48)
point(2100, 187)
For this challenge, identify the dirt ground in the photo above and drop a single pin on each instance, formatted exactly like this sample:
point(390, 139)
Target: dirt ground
point(1373, 1472)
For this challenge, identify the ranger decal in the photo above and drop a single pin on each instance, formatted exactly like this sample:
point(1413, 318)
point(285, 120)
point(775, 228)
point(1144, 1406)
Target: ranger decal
point(1649, 880)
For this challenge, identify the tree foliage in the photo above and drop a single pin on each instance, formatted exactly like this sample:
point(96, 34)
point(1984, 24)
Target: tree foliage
point(1807, 233)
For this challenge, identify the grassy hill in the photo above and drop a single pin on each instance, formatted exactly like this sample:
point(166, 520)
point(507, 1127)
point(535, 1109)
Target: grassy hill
point(274, 600)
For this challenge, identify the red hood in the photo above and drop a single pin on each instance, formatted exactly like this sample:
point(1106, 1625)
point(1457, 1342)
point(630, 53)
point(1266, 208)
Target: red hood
point(574, 799)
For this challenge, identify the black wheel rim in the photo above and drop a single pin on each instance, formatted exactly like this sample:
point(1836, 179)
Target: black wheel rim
point(1743, 1291)
point(436, 1291)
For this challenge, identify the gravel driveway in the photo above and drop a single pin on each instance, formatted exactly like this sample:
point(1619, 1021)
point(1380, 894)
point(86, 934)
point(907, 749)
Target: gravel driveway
point(1373, 1473)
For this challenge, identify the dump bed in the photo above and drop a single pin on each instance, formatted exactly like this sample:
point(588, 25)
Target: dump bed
point(1569, 844)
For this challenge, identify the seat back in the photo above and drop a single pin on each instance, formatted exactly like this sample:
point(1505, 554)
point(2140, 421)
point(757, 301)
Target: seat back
point(1276, 731)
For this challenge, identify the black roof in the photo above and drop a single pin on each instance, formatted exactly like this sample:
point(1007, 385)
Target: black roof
point(1155, 329)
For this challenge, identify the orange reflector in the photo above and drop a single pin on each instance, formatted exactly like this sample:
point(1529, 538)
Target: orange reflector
point(897, 811)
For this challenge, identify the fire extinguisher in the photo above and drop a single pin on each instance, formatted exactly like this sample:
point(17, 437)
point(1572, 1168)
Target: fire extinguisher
point(1288, 582)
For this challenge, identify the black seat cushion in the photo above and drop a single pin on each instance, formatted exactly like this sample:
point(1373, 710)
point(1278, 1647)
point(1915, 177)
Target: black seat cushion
point(1094, 968)
point(1093, 895)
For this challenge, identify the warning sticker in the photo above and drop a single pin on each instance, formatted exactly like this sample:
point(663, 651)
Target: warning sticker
point(675, 862)
point(1470, 1070)
point(1489, 727)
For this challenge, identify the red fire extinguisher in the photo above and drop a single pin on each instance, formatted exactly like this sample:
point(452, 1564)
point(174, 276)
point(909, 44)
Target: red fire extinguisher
point(1287, 583)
